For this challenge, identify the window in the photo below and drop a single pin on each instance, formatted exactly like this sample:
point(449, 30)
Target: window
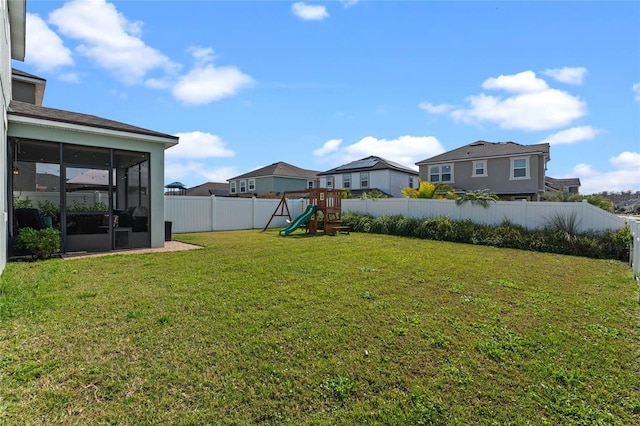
point(329, 181)
point(252, 184)
point(520, 168)
point(346, 181)
point(442, 173)
point(410, 181)
point(479, 168)
point(232, 187)
point(311, 184)
point(243, 186)
point(364, 180)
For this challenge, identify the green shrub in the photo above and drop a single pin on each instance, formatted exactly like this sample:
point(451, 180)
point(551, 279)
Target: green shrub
point(560, 235)
point(41, 243)
point(22, 203)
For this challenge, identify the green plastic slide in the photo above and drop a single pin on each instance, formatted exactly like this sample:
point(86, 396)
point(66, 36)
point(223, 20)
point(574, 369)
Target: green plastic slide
point(300, 220)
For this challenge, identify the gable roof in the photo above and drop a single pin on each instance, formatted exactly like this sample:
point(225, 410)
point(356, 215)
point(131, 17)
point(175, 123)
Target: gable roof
point(208, 189)
point(281, 169)
point(20, 73)
point(484, 149)
point(24, 109)
point(367, 164)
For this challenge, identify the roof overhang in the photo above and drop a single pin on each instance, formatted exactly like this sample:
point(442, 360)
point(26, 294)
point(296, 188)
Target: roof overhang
point(168, 142)
point(429, 162)
point(17, 23)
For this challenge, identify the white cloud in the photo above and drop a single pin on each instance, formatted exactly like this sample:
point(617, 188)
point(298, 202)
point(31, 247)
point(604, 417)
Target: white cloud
point(328, 147)
point(573, 135)
point(205, 82)
point(349, 3)
point(524, 82)
point(308, 12)
point(406, 150)
point(109, 39)
point(625, 177)
point(627, 161)
point(199, 145)
point(202, 55)
point(44, 48)
point(533, 106)
point(435, 109)
point(208, 83)
point(636, 91)
point(569, 75)
point(69, 77)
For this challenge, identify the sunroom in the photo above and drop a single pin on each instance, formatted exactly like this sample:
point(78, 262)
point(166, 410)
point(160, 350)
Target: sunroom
point(98, 181)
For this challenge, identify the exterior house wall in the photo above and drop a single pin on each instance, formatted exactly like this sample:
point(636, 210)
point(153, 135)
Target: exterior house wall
point(23, 92)
point(108, 140)
point(398, 181)
point(498, 175)
point(271, 184)
point(389, 181)
point(281, 184)
point(5, 98)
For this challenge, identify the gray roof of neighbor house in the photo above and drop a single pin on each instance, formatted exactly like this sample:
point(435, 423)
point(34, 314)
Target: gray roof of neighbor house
point(281, 169)
point(484, 149)
point(561, 183)
point(208, 189)
point(367, 164)
point(24, 109)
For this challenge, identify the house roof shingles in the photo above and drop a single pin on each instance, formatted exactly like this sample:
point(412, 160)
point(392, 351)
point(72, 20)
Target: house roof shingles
point(368, 164)
point(279, 169)
point(561, 183)
point(25, 109)
point(209, 188)
point(483, 149)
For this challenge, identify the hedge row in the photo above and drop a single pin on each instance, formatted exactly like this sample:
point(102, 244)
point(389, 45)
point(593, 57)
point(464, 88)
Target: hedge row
point(551, 239)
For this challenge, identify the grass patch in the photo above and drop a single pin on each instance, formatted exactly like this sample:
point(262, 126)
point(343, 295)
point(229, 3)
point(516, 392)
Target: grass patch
point(361, 329)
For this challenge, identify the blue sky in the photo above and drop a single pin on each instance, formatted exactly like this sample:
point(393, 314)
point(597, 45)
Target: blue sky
point(317, 84)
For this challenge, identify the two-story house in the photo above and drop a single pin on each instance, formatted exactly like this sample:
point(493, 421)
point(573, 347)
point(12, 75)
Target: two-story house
point(370, 174)
point(510, 170)
point(276, 178)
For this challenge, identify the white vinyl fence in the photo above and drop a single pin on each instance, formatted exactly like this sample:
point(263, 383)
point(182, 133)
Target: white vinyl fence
point(200, 214)
point(530, 215)
point(635, 251)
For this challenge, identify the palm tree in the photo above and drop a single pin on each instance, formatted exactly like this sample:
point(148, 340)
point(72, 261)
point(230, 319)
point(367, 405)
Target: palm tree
point(439, 191)
point(482, 197)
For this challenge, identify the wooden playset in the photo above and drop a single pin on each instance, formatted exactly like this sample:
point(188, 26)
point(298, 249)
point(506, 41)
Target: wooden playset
point(324, 211)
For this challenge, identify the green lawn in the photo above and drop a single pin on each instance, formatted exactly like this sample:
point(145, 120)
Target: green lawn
point(352, 329)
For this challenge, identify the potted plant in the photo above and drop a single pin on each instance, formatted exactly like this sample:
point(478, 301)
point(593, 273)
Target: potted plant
point(49, 212)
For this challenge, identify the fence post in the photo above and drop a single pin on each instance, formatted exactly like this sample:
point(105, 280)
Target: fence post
point(213, 212)
point(253, 212)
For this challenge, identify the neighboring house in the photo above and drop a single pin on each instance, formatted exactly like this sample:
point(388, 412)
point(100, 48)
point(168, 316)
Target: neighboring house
point(570, 185)
point(277, 177)
point(370, 174)
point(208, 189)
point(511, 170)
